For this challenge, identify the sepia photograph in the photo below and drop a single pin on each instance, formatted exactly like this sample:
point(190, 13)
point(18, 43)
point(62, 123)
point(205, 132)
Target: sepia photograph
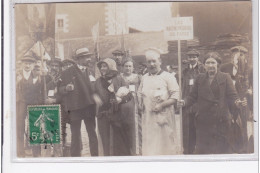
point(133, 79)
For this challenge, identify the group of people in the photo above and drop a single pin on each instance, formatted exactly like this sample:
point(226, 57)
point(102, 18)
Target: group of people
point(212, 106)
point(135, 113)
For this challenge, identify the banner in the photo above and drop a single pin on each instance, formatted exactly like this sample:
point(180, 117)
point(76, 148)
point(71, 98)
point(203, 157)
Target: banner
point(40, 51)
point(37, 18)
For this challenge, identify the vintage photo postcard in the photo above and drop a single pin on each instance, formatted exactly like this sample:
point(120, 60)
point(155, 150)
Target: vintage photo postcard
point(133, 79)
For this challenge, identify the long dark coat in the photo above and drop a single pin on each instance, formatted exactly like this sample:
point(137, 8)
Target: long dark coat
point(81, 96)
point(188, 114)
point(27, 93)
point(214, 119)
point(241, 85)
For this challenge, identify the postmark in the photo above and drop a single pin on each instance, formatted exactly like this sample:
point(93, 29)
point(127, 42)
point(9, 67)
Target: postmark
point(44, 124)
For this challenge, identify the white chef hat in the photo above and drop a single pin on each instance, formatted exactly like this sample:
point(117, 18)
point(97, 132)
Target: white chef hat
point(153, 52)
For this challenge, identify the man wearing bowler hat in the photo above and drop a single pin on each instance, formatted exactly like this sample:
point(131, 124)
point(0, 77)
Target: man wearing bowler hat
point(189, 74)
point(28, 92)
point(79, 102)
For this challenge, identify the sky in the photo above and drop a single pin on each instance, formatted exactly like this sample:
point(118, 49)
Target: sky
point(148, 16)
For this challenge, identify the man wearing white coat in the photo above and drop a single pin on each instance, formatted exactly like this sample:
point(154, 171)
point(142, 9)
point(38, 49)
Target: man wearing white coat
point(158, 92)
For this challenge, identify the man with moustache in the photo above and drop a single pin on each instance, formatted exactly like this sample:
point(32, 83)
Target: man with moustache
point(157, 94)
point(29, 91)
point(239, 72)
point(238, 53)
point(190, 73)
point(118, 57)
point(53, 97)
point(79, 101)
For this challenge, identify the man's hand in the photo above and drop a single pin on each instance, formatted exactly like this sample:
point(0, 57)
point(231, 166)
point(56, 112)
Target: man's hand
point(180, 103)
point(97, 100)
point(250, 92)
point(19, 78)
point(241, 102)
point(158, 108)
point(70, 87)
point(118, 99)
point(50, 100)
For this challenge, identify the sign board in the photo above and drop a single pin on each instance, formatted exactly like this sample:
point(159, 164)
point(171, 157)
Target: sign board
point(179, 28)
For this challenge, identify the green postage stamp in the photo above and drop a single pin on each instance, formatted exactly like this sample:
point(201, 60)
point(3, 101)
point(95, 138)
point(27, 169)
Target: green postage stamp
point(44, 124)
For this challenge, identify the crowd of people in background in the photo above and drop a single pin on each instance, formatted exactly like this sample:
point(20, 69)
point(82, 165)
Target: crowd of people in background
point(133, 111)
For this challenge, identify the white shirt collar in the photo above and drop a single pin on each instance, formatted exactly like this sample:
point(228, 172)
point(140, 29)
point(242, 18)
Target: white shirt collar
point(81, 67)
point(234, 70)
point(26, 74)
point(193, 66)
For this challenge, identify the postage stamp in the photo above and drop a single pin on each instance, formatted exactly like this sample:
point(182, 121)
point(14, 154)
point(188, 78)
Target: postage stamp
point(44, 124)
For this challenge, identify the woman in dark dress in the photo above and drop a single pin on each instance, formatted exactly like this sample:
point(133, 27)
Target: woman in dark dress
point(214, 92)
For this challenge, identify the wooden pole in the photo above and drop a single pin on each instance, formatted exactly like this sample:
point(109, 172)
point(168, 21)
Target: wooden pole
point(43, 76)
point(180, 90)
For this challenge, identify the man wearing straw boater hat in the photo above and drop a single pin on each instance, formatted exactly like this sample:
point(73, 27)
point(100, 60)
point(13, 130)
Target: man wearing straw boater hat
point(79, 102)
point(29, 92)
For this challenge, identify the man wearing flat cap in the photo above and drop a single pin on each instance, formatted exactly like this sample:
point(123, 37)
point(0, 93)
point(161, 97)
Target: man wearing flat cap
point(29, 92)
point(239, 70)
point(38, 67)
point(238, 66)
point(189, 74)
point(55, 65)
point(67, 63)
point(118, 57)
point(53, 78)
point(237, 56)
point(79, 102)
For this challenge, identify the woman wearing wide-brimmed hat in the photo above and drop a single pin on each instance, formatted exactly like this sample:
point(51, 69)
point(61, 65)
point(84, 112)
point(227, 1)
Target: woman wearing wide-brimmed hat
point(112, 90)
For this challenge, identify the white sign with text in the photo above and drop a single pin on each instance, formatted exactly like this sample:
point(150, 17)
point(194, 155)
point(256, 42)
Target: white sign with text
point(179, 28)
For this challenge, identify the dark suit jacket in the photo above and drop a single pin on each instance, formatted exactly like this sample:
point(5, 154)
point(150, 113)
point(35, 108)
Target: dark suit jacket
point(29, 92)
point(214, 119)
point(187, 75)
point(81, 96)
point(227, 68)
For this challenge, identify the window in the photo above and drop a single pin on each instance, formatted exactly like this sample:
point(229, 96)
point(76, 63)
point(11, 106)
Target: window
point(60, 23)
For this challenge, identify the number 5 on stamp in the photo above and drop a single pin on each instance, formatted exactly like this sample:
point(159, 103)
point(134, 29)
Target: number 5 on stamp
point(44, 124)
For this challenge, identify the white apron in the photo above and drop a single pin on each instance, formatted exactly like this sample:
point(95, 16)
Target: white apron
point(158, 129)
